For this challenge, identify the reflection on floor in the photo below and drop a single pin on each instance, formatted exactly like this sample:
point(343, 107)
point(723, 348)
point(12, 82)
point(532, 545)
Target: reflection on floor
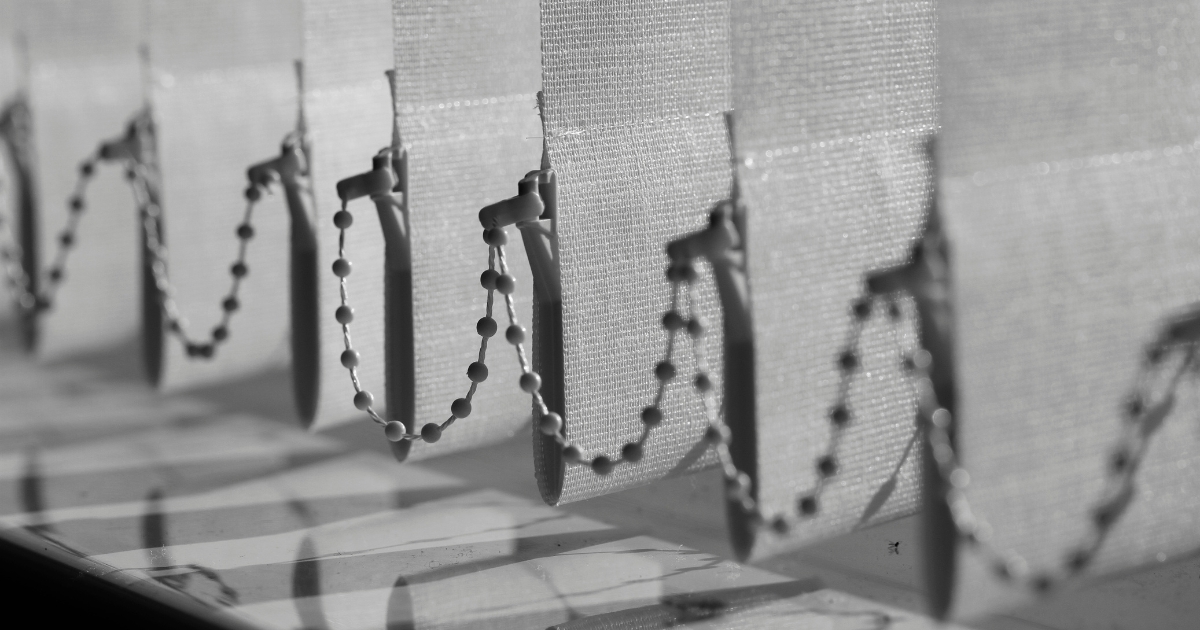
point(271, 527)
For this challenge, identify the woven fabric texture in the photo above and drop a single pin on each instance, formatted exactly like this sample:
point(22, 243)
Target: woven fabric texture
point(347, 106)
point(224, 94)
point(1071, 156)
point(467, 78)
point(833, 101)
point(635, 92)
point(84, 84)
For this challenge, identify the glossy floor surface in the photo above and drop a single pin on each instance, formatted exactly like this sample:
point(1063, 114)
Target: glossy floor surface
point(212, 502)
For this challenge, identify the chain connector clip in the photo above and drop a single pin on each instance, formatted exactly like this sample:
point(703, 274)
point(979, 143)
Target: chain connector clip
point(384, 184)
point(534, 211)
point(528, 205)
point(722, 244)
point(382, 180)
point(132, 146)
point(287, 168)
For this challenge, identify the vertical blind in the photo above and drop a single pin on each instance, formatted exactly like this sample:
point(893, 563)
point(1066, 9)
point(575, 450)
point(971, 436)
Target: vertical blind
point(84, 85)
point(223, 94)
point(1065, 161)
point(466, 96)
point(1070, 187)
point(635, 93)
point(833, 103)
point(346, 50)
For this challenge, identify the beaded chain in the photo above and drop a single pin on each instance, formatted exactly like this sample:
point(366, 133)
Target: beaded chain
point(350, 358)
point(550, 423)
point(1142, 417)
point(925, 278)
point(738, 484)
point(20, 281)
point(717, 435)
point(682, 276)
point(142, 183)
point(496, 278)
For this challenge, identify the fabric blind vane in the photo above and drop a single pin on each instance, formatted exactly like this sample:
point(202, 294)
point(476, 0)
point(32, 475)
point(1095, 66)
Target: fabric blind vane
point(14, 186)
point(83, 81)
point(160, 312)
point(466, 78)
point(1069, 168)
point(635, 93)
point(534, 211)
point(34, 290)
point(291, 171)
point(385, 186)
point(314, 152)
point(348, 115)
point(18, 251)
point(223, 94)
point(1003, 334)
point(136, 151)
point(833, 102)
point(13, 89)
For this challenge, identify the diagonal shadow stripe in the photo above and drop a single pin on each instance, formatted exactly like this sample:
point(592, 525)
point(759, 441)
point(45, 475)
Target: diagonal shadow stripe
point(344, 574)
point(677, 610)
point(101, 536)
point(97, 488)
point(689, 459)
point(884, 492)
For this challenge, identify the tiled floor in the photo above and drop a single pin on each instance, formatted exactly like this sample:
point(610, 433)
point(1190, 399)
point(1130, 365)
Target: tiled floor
point(218, 504)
